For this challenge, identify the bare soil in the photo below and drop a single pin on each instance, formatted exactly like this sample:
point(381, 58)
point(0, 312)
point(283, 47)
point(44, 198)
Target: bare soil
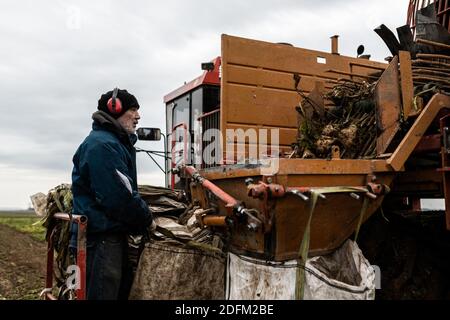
point(22, 265)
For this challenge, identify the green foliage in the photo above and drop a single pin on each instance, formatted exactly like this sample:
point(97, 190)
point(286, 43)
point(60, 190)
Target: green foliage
point(26, 224)
point(308, 135)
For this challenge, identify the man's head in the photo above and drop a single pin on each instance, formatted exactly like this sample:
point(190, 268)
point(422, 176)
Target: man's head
point(129, 120)
point(127, 115)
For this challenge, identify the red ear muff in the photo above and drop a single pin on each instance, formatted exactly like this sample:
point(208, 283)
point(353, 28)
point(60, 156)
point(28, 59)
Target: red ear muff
point(114, 104)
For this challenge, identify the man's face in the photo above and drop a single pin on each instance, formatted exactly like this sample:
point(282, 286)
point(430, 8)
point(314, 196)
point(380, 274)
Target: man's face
point(129, 120)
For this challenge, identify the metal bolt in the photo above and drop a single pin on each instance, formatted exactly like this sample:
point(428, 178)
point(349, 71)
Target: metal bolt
point(301, 195)
point(355, 196)
point(252, 226)
point(322, 196)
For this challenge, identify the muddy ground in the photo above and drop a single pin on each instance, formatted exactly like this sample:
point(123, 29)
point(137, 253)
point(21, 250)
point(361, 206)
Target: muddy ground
point(22, 265)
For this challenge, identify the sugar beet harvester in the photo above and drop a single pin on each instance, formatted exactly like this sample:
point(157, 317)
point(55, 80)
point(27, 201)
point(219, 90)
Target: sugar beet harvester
point(270, 206)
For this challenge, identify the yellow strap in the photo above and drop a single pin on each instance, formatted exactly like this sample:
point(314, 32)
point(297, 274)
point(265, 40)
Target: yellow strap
point(304, 246)
point(361, 215)
point(303, 252)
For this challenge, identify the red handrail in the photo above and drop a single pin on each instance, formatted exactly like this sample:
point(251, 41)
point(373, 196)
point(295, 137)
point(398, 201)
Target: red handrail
point(81, 256)
point(207, 114)
point(228, 200)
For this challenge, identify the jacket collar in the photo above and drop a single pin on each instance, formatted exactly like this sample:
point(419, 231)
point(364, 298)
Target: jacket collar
point(103, 121)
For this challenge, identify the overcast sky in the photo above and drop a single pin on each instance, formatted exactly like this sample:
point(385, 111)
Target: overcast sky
point(58, 57)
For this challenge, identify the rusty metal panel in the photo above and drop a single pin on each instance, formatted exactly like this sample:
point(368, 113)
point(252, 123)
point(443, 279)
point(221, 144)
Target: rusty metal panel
point(282, 58)
point(315, 168)
point(322, 166)
point(285, 134)
point(329, 228)
point(248, 155)
point(387, 99)
point(260, 106)
point(406, 80)
point(273, 79)
point(258, 86)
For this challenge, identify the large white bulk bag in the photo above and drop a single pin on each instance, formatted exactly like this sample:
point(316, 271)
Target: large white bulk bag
point(344, 274)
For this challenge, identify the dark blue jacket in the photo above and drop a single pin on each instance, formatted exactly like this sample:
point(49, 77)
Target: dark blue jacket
point(102, 165)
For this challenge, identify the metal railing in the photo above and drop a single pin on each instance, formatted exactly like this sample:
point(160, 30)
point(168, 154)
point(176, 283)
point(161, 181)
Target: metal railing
point(81, 256)
point(210, 120)
point(179, 149)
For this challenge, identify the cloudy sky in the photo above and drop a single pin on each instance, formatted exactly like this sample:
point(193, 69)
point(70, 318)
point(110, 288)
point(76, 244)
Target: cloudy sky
point(58, 57)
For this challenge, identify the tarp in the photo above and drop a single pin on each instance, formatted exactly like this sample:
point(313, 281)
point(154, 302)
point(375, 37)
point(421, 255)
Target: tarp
point(163, 200)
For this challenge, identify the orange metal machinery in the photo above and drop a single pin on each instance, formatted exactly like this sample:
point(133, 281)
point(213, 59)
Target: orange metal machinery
point(268, 213)
point(442, 9)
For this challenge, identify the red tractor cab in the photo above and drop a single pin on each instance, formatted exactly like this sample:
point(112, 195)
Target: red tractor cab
point(191, 109)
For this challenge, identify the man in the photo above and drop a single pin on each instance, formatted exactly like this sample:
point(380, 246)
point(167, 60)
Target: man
point(104, 189)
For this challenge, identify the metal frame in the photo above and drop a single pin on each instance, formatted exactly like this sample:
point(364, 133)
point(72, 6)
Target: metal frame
point(185, 151)
point(207, 121)
point(81, 256)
